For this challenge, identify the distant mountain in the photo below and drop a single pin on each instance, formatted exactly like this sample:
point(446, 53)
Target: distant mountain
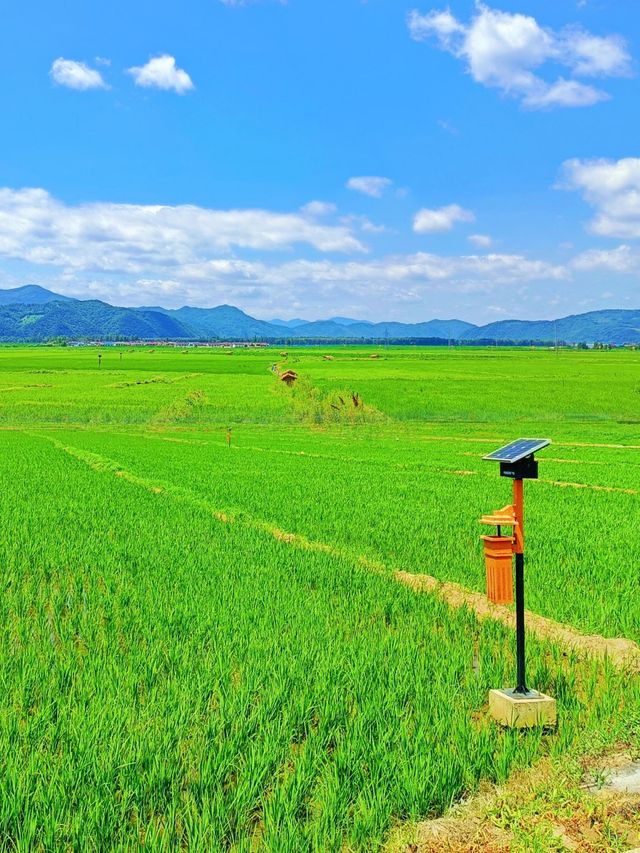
point(225, 321)
point(609, 326)
point(359, 329)
point(293, 324)
point(40, 314)
point(324, 329)
point(431, 329)
point(289, 324)
point(348, 321)
point(85, 319)
point(31, 294)
point(53, 317)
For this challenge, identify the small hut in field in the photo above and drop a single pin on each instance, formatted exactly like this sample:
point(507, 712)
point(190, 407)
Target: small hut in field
point(288, 377)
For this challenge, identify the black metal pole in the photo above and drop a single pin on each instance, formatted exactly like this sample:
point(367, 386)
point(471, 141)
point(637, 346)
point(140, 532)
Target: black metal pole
point(521, 686)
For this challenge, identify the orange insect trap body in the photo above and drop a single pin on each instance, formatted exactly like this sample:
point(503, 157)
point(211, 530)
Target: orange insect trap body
point(498, 558)
point(499, 549)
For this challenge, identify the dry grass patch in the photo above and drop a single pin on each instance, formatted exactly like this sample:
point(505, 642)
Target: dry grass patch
point(545, 808)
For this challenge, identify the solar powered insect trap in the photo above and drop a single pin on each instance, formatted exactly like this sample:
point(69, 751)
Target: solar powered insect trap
point(519, 707)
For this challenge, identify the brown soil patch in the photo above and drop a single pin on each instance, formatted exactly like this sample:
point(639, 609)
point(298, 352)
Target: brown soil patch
point(622, 652)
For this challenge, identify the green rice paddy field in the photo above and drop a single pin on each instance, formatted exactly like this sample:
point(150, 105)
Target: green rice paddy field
point(203, 645)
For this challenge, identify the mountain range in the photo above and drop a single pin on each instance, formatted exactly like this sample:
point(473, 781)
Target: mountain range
point(32, 313)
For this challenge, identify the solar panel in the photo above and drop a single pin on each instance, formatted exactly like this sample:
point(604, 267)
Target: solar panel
point(517, 450)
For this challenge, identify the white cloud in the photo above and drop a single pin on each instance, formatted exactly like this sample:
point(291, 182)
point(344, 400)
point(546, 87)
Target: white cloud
point(136, 239)
point(371, 185)
point(323, 286)
point(619, 260)
point(362, 223)
point(319, 208)
point(562, 93)
point(161, 72)
point(421, 267)
point(596, 56)
point(505, 50)
point(612, 188)
point(395, 274)
point(142, 254)
point(482, 241)
point(172, 255)
point(428, 221)
point(76, 75)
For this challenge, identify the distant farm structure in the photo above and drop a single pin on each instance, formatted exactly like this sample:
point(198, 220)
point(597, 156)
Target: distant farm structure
point(288, 377)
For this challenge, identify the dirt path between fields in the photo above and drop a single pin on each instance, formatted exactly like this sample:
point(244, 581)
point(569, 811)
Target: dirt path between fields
point(623, 653)
point(620, 651)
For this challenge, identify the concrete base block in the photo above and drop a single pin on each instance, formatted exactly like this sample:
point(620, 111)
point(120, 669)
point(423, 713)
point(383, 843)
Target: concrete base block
point(522, 712)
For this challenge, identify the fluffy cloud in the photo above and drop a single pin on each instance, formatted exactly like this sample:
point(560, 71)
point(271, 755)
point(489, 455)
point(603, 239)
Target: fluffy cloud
point(323, 286)
point(619, 260)
point(612, 188)
point(371, 185)
point(505, 50)
point(76, 75)
point(482, 241)
point(362, 223)
point(440, 219)
point(149, 254)
point(131, 238)
point(161, 72)
point(465, 271)
point(319, 208)
point(137, 254)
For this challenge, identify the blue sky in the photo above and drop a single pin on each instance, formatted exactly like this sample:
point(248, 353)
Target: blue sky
point(377, 159)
